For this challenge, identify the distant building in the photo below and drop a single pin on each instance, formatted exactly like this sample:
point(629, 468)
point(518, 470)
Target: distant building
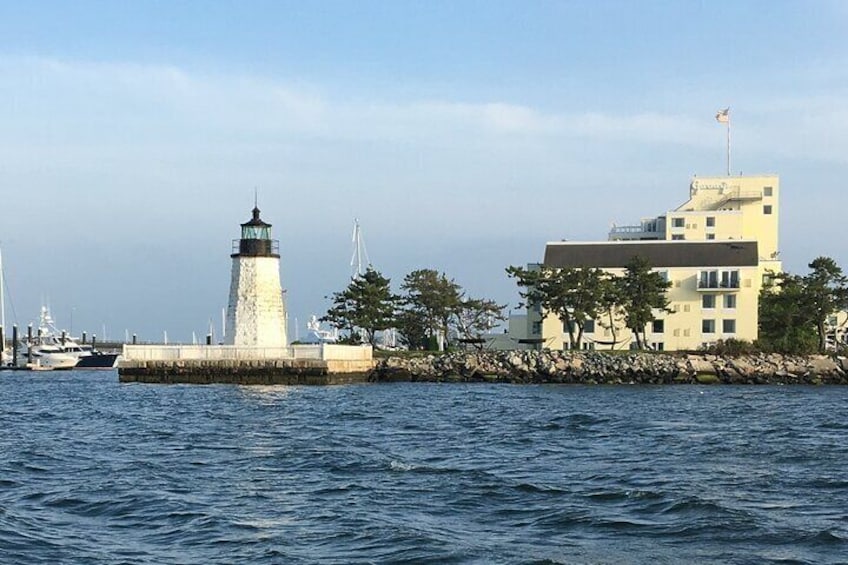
point(715, 249)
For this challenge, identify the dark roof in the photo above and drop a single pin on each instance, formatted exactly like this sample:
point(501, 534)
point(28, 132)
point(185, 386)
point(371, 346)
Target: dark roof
point(660, 254)
point(255, 220)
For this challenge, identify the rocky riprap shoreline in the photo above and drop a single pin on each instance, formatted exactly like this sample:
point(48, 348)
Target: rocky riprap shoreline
point(612, 368)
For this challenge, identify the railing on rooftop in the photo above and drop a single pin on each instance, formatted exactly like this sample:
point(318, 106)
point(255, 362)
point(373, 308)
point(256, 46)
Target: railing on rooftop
point(737, 194)
point(626, 229)
point(635, 232)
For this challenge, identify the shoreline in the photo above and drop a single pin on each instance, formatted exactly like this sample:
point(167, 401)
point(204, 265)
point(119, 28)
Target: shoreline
point(508, 367)
point(596, 367)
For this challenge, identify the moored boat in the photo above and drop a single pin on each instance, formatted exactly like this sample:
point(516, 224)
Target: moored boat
point(46, 358)
point(85, 355)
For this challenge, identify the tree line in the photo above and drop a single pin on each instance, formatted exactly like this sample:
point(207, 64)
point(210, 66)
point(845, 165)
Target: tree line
point(431, 312)
point(795, 309)
point(434, 312)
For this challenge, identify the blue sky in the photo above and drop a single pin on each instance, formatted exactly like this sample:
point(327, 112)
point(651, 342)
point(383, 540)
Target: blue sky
point(463, 135)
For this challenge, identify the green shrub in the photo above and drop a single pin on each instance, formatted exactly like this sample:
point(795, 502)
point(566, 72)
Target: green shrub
point(733, 347)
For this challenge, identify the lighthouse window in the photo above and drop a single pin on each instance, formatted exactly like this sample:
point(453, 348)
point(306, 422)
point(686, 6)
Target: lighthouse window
point(256, 232)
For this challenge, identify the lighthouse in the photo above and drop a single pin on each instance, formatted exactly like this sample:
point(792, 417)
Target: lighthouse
point(256, 314)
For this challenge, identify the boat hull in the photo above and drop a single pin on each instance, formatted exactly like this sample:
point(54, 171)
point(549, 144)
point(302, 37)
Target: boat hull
point(98, 361)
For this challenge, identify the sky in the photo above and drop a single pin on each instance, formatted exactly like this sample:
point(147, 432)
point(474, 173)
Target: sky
point(462, 135)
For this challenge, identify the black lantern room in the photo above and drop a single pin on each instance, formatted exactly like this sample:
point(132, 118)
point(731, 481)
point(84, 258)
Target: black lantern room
point(256, 239)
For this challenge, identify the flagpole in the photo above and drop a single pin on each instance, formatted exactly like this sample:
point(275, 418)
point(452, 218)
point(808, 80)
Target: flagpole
point(728, 144)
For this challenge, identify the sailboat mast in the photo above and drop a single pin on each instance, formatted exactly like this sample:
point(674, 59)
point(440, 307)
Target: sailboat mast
point(360, 253)
point(2, 295)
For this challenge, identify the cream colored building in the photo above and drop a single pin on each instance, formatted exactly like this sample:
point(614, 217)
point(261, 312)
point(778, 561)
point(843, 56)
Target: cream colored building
point(715, 249)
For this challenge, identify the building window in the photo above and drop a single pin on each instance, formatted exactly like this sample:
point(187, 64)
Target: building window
point(677, 236)
point(678, 223)
point(537, 328)
point(710, 236)
point(767, 191)
point(710, 221)
point(767, 209)
point(589, 345)
point(657, 346)
point(708, 301)
point(589, 327)
point(728, 326)
point(707, 326)
point(729, 301)
point(658, 326)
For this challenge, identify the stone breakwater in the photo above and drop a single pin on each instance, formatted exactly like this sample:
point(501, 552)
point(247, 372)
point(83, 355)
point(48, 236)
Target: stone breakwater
point(612, 368)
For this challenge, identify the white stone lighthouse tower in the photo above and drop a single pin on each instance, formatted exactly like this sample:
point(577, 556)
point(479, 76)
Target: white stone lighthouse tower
point(256, 314)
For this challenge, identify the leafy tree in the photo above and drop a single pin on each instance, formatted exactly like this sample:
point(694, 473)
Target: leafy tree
point(412, 328)
point(365, 307)
point(827, 290)
point(642, 291)
point(786, 323)
point(431, 300)
point(573, 294)
point(476, 316)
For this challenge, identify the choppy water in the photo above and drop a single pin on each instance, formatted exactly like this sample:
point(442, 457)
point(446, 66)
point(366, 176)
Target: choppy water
point(92, 471)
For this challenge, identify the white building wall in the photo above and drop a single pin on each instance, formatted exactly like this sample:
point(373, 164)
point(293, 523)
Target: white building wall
point(256, 314)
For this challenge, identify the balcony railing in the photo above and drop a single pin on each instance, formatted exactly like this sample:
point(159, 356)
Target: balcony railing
point(721, 285)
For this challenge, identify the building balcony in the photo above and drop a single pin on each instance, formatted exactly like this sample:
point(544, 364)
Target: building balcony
point(716, 281)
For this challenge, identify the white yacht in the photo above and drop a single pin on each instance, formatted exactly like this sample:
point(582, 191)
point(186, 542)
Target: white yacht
point(85, 355)
point(46, 358)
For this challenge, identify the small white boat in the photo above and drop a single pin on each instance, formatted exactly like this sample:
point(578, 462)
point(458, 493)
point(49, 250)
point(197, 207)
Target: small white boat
point(46, 358)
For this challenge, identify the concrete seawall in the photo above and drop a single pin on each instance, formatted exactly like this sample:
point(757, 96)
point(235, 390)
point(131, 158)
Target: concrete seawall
point(245, 372)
